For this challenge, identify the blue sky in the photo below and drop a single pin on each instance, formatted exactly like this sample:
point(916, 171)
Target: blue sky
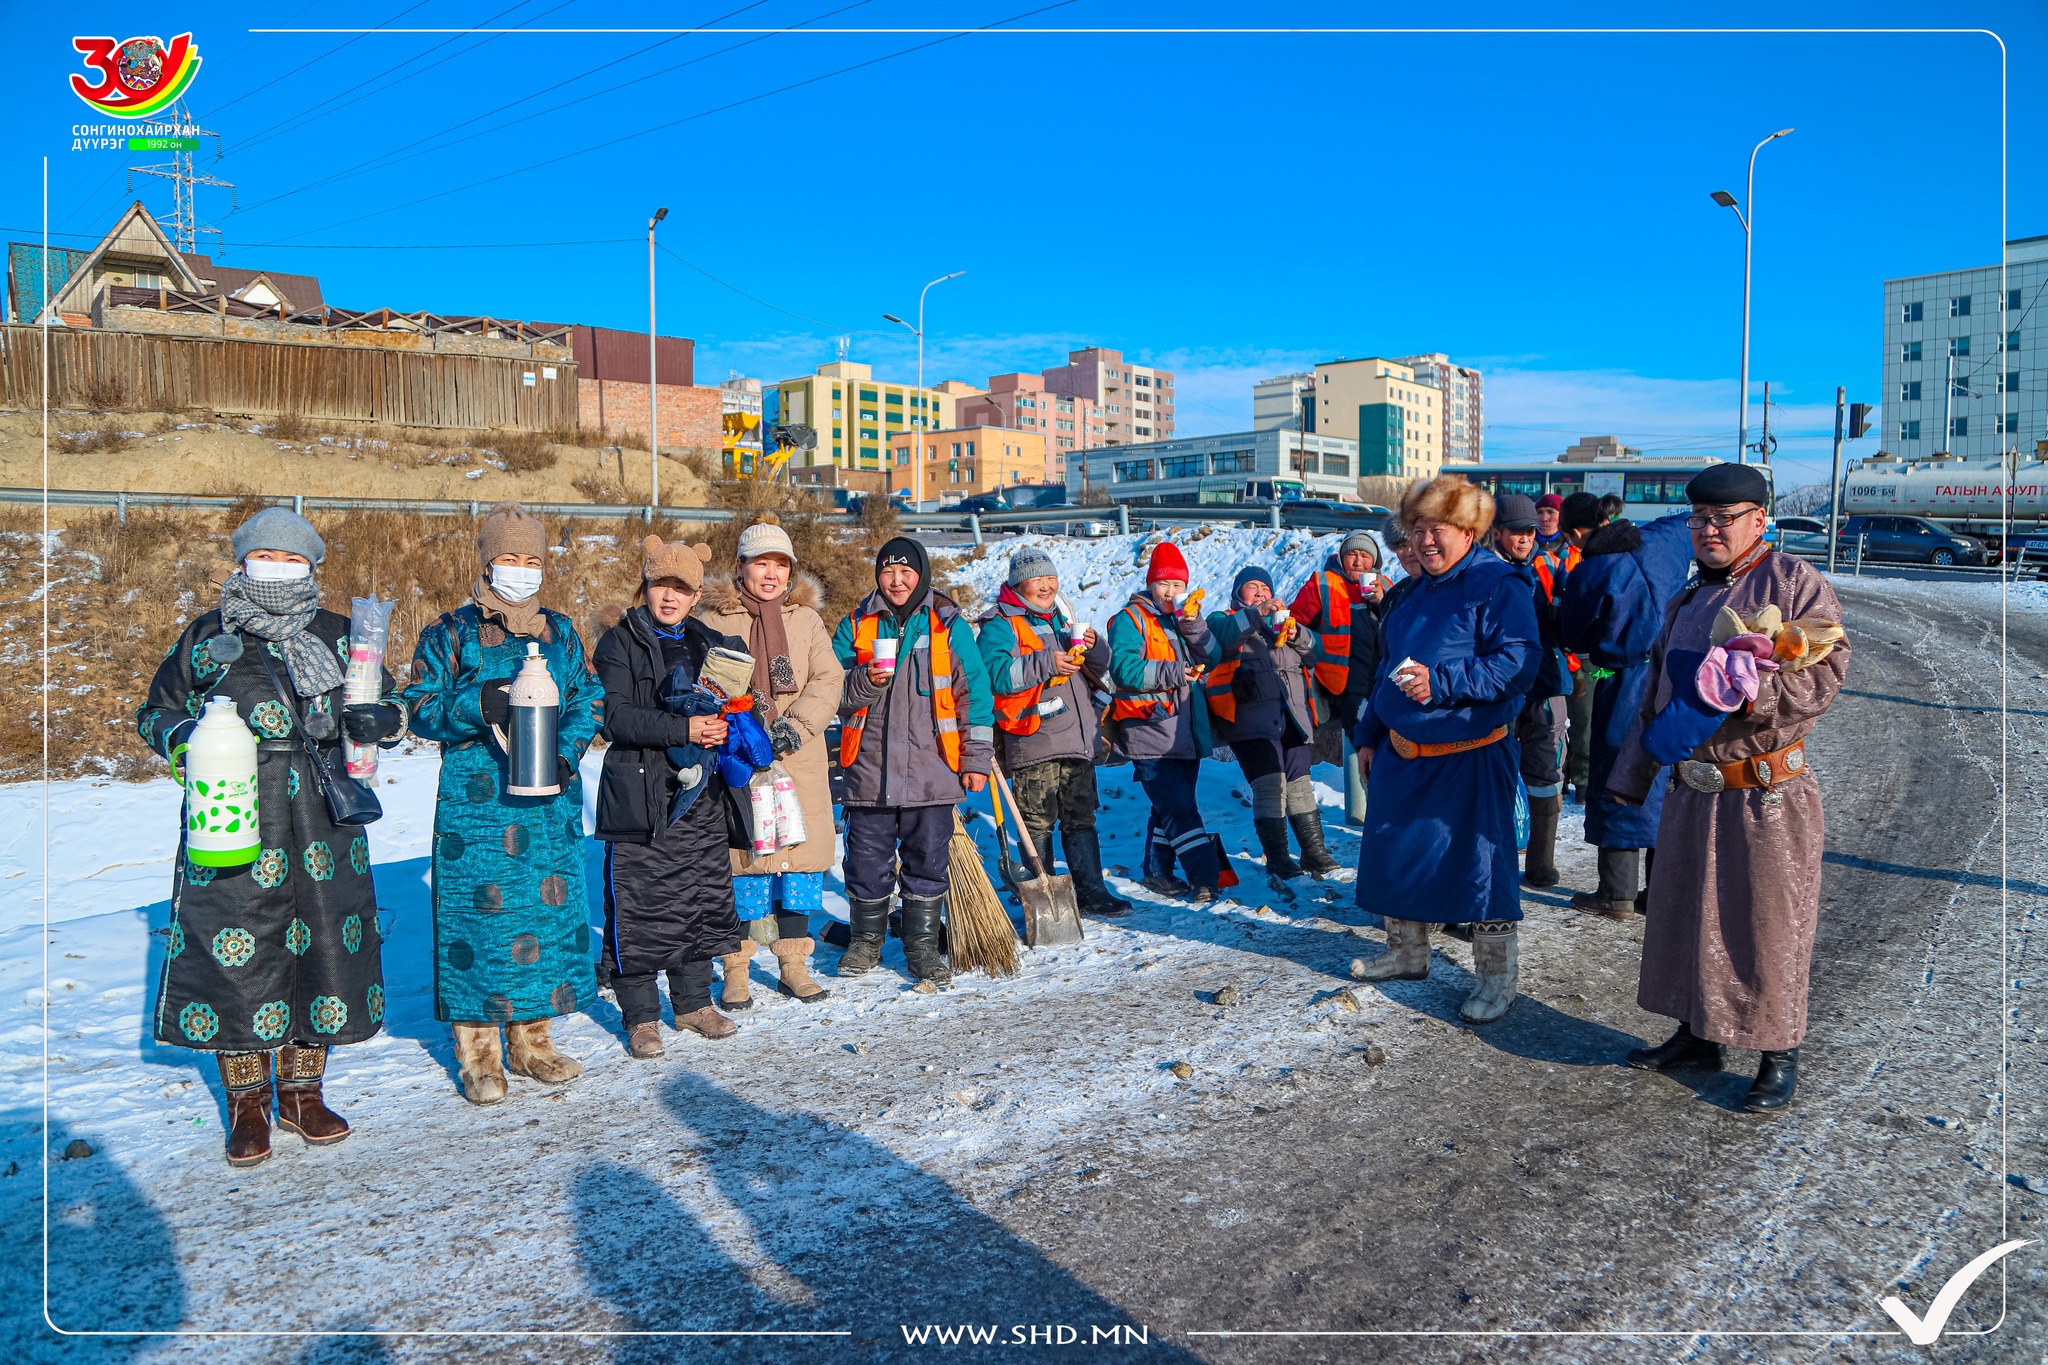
point(1229, 206)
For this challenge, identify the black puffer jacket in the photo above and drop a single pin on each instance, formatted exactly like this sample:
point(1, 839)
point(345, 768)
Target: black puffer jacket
point(638, 784)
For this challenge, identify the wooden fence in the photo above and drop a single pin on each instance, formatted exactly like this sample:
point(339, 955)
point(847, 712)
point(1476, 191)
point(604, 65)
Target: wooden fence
point(93, 367)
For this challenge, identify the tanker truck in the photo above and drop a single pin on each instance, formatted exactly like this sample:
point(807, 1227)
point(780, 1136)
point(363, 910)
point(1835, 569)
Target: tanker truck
point(1969, 496)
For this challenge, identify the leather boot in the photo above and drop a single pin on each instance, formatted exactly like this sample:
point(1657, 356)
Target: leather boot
point(708, 1022)
point(1616, 897)
point(1406, 958)
point(1777, 1073)
point(1084, 863)
point(247, 1078)
point(793, 967)
point(480, 1060)
point(1682, 1049)
point(644, 1040)
point(921, 927)
point(1315, 854)
point(1497, 959)
point(300, 1105)
point(736, 994)
point(1272, 832)
point(868, 927)
point(530, 1050)
point(1540, 865)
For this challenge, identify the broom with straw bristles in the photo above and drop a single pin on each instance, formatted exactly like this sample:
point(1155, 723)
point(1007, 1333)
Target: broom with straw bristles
point(978, 928)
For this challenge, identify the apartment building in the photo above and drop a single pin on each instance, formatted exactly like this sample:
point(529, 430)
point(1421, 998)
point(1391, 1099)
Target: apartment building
point(1396, 419)
point(1962, 357)
point(1026, 403)
point(963, 460)
point(855, 415)
point(1193, 470)
point(1133, 402)
point(1463, 428)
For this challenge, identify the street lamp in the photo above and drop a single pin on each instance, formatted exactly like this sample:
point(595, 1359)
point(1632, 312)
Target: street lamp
point(653, 421)
point(916, 444)
point(1727, 201)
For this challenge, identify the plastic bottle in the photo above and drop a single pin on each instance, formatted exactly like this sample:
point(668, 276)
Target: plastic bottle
point(535, 718)
point(220, 788)
point(789, 810)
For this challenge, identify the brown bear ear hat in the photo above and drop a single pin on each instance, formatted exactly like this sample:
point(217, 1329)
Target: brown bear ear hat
point(684, 563)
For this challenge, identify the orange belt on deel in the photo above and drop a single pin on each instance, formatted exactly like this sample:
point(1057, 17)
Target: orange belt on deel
point(1408, 748)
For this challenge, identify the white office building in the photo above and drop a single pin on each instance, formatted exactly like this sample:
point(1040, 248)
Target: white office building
point(1964, 358)
point(1215, 469)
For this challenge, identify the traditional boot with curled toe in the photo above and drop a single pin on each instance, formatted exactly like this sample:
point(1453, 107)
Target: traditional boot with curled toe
point(1682, 1049)
point(868, 928)
point(1315, 854)
point(1496, 959)
point(300, 1105)
point(737, 994)
point(1777, 1074)
point(1406, 958)
point(793, 967)
point(644, 1041)
point(530, 1050)
point(247, 1078)
point(922, 921)
point(708, 1022)
point(480, 1062)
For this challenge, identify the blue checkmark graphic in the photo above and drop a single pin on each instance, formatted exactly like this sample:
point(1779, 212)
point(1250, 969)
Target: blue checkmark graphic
point(1924, 1331)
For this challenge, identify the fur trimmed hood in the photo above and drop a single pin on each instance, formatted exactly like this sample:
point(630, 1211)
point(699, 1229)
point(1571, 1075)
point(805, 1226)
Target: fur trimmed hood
point(1615, 538)
point(722, 595)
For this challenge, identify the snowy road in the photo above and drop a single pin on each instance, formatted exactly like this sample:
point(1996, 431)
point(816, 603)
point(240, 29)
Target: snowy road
point(1018, 1153)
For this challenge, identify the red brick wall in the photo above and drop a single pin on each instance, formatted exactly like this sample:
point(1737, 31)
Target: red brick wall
point(690, 415)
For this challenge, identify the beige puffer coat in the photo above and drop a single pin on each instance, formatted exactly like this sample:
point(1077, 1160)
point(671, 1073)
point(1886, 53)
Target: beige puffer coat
point(819, 679)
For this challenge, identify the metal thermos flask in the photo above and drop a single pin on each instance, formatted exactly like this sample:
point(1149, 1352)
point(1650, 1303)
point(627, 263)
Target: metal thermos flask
point(534, 717)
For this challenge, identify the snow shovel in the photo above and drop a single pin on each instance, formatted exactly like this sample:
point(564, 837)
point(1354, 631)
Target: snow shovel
point(1051, 918)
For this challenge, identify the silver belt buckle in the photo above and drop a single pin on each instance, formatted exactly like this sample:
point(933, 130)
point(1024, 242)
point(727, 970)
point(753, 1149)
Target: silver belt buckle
point(1702, 777)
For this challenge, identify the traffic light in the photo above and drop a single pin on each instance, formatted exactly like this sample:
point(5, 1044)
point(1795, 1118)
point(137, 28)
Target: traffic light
point(1859, 420)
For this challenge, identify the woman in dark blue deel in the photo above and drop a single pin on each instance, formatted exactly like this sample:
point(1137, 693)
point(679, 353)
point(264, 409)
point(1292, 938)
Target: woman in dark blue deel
point(1439, 840)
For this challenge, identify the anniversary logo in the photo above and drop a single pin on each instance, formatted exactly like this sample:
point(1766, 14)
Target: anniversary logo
point(133, 79)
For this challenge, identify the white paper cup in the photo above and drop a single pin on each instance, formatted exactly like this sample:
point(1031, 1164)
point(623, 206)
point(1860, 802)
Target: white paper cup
point(885, 655)
point(1077, 635)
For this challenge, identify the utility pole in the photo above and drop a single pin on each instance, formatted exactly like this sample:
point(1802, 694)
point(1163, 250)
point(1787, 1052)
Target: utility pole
point(917, 450)
point(183, 222)
point(1835, 480)
point(1745, 213)
point(1763, 441)
point(653, 376)
point(1948, 399)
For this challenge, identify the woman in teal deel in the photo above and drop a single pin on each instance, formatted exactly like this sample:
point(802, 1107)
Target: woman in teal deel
point(511, 917)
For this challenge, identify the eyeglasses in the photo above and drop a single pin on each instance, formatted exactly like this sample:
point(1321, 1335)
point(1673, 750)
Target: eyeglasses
point(1720, 521)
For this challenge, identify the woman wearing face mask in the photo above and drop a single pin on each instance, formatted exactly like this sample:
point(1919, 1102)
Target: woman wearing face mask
point(797, 682)
point(273, 962)
point(511, 916)
point(665, 814)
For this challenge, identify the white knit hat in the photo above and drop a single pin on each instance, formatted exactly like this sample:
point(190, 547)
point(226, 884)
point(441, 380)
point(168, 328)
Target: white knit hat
point(764, 537)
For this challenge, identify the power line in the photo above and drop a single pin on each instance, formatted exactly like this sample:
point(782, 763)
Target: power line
point(677, 123)
point(373, 246)
point(299, 71)
point(755, 298)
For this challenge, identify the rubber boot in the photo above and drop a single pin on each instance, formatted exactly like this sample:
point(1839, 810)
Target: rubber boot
point(300, 1105)
point(1616, 897)
point(1272, 832)
point(480, 1059)
point(867, 924)
point(1497, 959)
point(1541, 862)
point(1354, 789)
point(1406, 958)
point(247, 1078)
point(530, 1050)
point(1083, 848)
point(793, 970)
point(1777, 1074)
point(922, 917)
point(1682, 1049)
point(735, 993)
point(1315, 854)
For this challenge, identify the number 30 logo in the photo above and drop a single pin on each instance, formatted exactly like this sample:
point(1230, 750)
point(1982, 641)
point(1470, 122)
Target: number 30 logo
point(135, 78)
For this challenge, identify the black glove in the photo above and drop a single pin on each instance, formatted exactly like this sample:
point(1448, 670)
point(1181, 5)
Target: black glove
point(565, 771)
point(496, 700)
point(784, 737)
point(367, 722)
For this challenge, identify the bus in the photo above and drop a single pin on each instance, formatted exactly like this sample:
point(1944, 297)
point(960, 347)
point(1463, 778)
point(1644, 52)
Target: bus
point(1650, 486)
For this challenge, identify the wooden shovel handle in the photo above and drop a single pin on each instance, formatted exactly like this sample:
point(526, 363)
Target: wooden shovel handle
point(1023, 830)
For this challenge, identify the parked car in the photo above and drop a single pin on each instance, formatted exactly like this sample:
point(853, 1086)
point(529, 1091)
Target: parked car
point(1907, 540)
point(1329, 514)
point(1806, 537)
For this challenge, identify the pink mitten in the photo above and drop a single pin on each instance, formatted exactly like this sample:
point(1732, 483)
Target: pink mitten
point(1727, 678)
point(1758, 647)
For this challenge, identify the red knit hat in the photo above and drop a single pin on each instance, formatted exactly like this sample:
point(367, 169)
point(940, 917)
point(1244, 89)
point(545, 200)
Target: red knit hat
point(1550, 500)
point(1166, 563)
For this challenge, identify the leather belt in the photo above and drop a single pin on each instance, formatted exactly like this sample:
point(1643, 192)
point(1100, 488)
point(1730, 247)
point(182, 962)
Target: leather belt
point(277, 746)
point(1408, 748)
point(1761, 770)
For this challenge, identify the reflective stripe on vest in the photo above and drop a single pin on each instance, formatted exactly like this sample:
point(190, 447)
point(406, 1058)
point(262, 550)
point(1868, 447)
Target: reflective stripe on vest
point(1018, 713)
point(1331, 661)
point(945, 706)
point(1130, 705)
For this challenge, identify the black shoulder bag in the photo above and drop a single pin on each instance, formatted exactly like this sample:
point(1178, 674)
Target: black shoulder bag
point(349, 802)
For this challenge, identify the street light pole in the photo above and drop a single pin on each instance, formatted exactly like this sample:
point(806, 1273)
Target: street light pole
point(1745, 213)
point(653, 419)
point(917, 423)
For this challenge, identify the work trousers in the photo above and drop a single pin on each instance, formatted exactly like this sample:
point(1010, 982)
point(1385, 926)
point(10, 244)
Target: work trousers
point(1540, 731)
point(1061, 792)
point(878, 837)
point(1175, 830)
point(689, 990)
point(1578, 753)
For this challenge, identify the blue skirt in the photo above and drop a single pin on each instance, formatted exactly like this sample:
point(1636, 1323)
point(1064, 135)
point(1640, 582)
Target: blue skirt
point(1439, 838)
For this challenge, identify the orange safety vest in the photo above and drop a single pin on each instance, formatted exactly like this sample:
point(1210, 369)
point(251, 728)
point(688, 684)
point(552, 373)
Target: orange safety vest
point(945, 705)
point(1331, 661)
point(1017, 712)
point(1158, 648)
point(1550, 572)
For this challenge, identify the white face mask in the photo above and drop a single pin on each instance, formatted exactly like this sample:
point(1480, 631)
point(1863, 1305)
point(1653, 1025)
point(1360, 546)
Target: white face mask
point(275, 570)
point(514, 584)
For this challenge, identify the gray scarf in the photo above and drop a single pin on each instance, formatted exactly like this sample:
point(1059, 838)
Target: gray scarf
point(280, 612)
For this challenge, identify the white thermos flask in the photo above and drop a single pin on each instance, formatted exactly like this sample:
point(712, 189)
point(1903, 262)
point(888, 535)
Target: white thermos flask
point(535, 716)
point(220, 788)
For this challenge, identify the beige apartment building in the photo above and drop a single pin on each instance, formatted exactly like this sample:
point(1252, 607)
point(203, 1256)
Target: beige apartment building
point(1396, 418)
point(960, 461)
point(1132, 402)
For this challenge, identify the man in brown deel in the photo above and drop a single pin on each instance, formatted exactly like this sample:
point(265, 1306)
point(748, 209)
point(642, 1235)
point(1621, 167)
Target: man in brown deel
point(1749, 659)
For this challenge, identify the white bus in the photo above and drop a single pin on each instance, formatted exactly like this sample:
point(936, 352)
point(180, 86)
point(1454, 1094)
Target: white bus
point(1650, 486)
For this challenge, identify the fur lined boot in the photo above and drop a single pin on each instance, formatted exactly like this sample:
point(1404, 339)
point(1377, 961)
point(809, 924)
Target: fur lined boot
point(736, 994)
point(247, 1078)
point(300, 1105)
point(1406, 958)
point(793, 966)
point(480, 1060)
point(1497, 960)
point(530, 1050)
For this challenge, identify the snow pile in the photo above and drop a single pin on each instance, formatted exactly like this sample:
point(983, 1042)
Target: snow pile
point(1099, 576)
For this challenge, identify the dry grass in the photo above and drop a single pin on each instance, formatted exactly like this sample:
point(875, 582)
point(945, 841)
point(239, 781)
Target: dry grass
point(108, 393)
point(521, 451)
point(107, 435)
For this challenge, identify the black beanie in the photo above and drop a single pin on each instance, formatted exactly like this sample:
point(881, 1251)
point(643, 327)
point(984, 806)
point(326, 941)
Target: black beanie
point(1724, 485)
point(904, 550)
